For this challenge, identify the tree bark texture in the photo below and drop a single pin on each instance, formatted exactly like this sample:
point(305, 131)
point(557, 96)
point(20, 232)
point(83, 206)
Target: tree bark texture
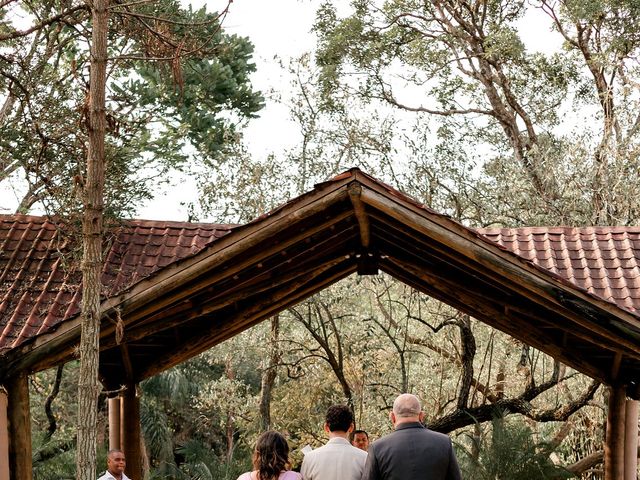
point(88, 386)
point(19, 417)
point(269, 376)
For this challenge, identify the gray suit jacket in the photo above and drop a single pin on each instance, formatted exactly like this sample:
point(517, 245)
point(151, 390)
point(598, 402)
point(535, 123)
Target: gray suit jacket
point(412, 452)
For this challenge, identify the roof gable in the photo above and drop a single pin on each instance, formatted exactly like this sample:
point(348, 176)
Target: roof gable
point(354, 223)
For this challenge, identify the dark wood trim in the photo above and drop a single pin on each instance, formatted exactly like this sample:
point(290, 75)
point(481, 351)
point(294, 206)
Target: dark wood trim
point(179, 315)
point(126, 361)
point(355, 190)
point(130, 437)
point(19, 418)
point(113, 407)
point(245, 319)
point(224, 249)
point(615, 366)
point(4, 434)
point(631, 440)
point(614, 437)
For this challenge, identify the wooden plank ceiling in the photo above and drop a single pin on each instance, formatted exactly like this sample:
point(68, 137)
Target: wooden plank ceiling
point(572, 293)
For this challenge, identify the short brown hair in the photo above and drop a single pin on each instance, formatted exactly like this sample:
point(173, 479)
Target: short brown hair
point(339, 418)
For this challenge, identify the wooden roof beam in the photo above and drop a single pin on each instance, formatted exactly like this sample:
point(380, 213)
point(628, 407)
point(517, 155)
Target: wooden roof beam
point(355, 192)
point(221, 274)
point(219, 332)
point(509, 271)
point(367, 259)
point(126, 361)
point(165, 320)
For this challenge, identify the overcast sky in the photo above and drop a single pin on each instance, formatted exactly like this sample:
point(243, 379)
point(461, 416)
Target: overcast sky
point(283, 28)
point(277, 28)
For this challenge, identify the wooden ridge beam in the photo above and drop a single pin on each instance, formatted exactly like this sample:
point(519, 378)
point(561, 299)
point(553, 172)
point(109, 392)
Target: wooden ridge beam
point(355, 191)
point(33, 355)
point(246, 318)
point(232, 270)
point(484, 253)
point(174, 319)
point(225, 249)
point(494, 316)
point(515, 280)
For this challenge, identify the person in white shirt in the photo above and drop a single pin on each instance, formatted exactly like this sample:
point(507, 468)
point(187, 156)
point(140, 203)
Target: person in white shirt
point(116, 464)
point(337, 459)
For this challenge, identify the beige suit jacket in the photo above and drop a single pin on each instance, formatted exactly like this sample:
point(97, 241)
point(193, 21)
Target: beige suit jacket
point(337, 460)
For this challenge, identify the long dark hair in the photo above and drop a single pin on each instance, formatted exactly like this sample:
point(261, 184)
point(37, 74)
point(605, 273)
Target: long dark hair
point(271, 455)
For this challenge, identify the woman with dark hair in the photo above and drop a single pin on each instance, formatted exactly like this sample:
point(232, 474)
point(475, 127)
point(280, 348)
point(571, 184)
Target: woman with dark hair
point(271, 459)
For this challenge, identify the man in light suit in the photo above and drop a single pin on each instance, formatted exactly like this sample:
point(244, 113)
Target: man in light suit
point(411, 451)
point(338, 459)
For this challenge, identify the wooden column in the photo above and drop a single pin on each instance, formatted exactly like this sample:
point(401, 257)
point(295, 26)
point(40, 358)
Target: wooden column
point(130, 431)
point(4, 435)
point(114, 422)
point(614, 439)
point(631, 440)
point(19, 421)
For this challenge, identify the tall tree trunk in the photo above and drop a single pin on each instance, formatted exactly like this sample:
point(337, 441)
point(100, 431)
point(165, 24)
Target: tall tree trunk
point(230, 426)
point(269, 375)
point(88, 387)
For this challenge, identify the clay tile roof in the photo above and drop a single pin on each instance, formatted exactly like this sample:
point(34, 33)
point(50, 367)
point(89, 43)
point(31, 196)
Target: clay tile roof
point(39, 269)
point(603, 261)
point(40, 278)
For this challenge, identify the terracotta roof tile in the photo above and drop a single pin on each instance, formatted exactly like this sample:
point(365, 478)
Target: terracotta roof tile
point(603, 261)
point(40, 277)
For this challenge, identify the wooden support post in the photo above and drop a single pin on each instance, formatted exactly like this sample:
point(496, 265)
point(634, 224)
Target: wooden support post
point(4, 435)
point(614, 439)
point(19, 421)
point(130, 431)
point(631, 440)
point(114, 423)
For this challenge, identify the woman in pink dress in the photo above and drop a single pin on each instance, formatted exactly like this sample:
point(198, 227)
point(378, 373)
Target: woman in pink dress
point(271, 459)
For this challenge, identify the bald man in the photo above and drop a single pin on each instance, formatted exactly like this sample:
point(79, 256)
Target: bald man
point(411, 450)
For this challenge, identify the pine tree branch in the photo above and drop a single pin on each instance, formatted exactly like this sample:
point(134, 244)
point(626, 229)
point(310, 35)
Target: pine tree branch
point(62, 16)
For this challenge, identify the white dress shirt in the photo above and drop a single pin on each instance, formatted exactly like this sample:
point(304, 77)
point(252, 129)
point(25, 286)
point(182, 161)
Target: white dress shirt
point(108, 476)
point(337, 460)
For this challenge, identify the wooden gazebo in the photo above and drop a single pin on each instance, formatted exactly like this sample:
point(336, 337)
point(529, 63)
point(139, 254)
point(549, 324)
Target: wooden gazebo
point(173, 290)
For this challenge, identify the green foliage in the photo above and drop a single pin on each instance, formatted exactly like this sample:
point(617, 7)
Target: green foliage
point(183, 87)
point(59, 462)
point(510, 452)
point(186, 414)
point(54, 448)
point(200, 465)
point(499, 134)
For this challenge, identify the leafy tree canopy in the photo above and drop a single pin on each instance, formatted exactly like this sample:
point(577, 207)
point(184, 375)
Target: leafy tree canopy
point(178, 89)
